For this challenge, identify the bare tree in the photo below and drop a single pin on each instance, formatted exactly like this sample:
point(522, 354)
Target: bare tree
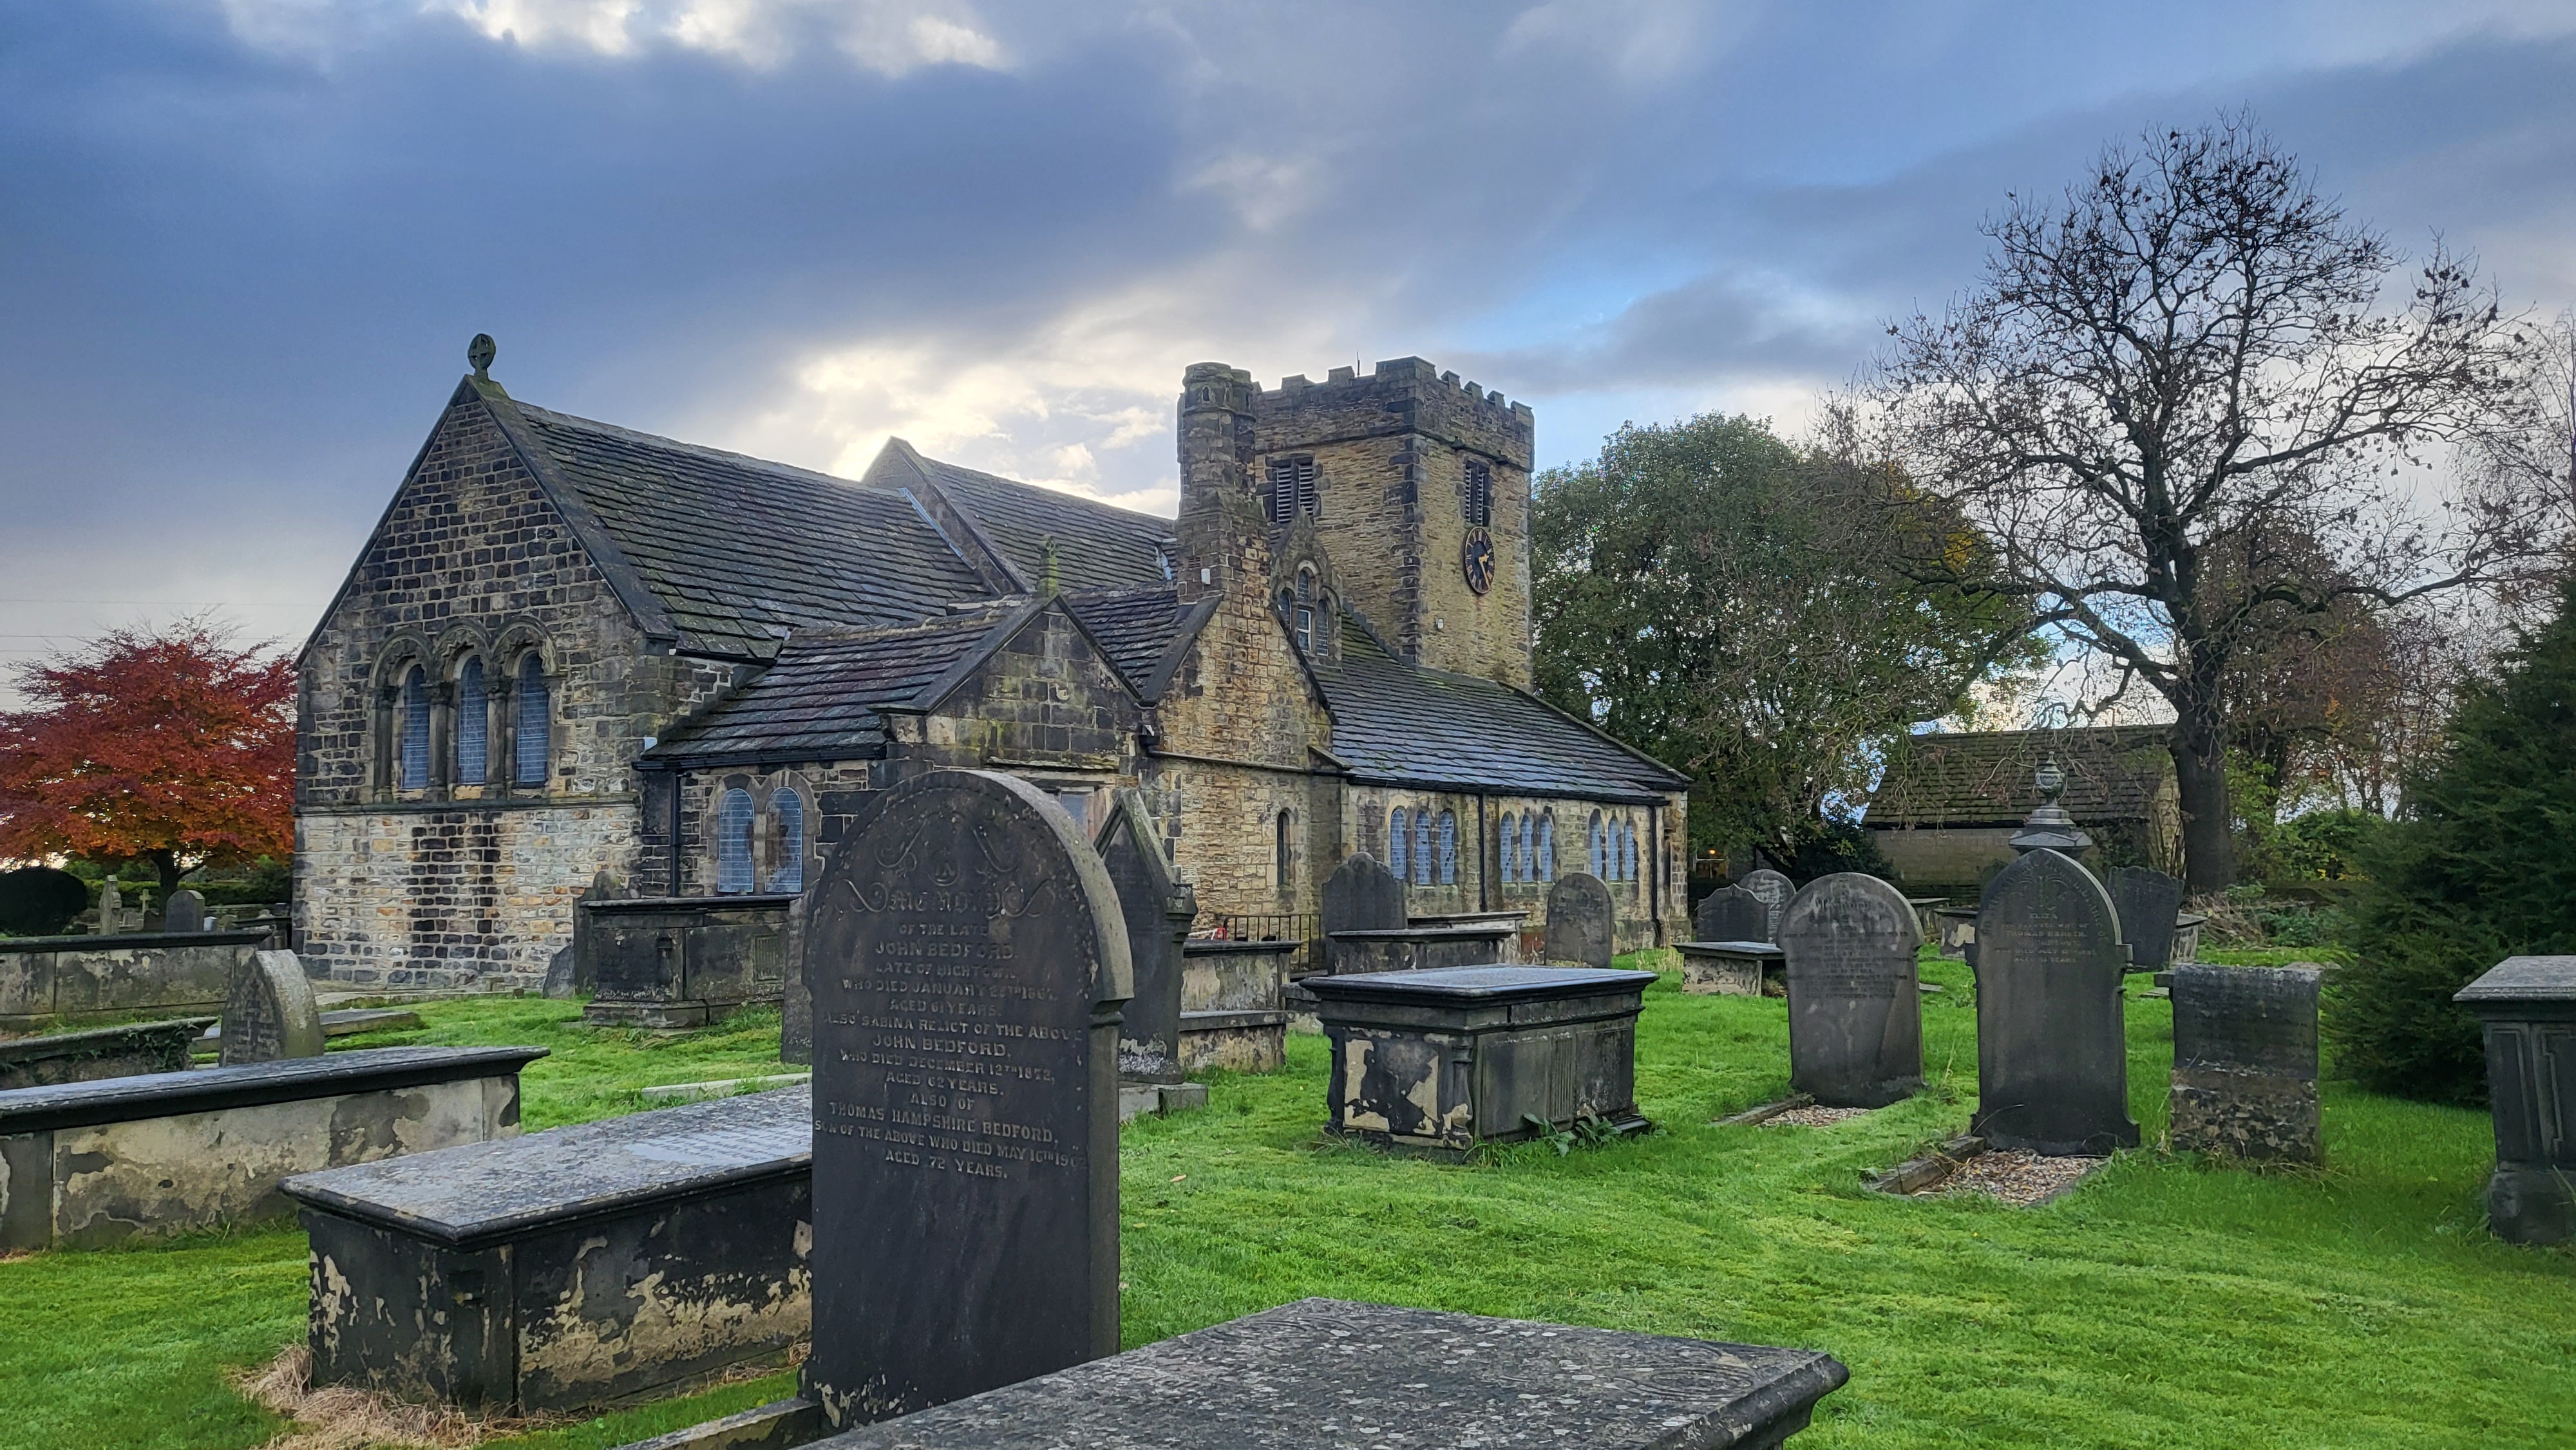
point(2181, 402)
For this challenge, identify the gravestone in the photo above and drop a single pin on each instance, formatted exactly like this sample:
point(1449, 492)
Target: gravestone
point(1731, 913)
point(2052, 1055)
point(968, 958)
point(1582, 926)
point(111, 908)
point(2245, 1062)
point(2148, 902)
point(1774, 890)
point(1855, 1009)
point(184, 911)
point(1158, 911)
point(1362, 895)
point(270, 1012)
point(2526, 1007)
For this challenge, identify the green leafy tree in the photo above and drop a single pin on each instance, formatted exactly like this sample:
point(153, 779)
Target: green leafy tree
point(1744, 610)
point(2480, 867)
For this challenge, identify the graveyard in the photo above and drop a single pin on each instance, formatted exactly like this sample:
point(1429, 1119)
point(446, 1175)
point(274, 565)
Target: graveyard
point(2158, 1303)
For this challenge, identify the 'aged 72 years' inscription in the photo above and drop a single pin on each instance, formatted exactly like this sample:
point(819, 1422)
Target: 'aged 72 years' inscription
point(968, 959)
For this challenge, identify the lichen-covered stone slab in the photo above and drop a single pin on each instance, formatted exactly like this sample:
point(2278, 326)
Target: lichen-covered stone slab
point(1323, 1374)
point(2245, 1062)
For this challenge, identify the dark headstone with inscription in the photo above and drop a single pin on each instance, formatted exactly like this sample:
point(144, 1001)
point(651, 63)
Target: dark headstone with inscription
point(1582, 926)
point(2245, 1062)
point(2148, 902)
point(184, 911)
point(1774, 890)
point(1731, 913)
point(2527, 1006)
point(1855, 1010)
point(1158, 911)
point(270, 1013)
point(968, 958)
point(2052, 1055)
point(1362, 895)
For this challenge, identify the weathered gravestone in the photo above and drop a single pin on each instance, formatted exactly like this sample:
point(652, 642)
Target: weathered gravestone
point(270, 1013)
point(2148, 902)
point(1362, 895)
point(968, 958)
point(2052, 1057)
point(2245, 1062)
point(1582, 926)
point(1731, 913)
point(1158, 911)
point(1855, 1010)
point(111, 908)
point(1774, 890)
point(184, 911)
point(2527, 1008)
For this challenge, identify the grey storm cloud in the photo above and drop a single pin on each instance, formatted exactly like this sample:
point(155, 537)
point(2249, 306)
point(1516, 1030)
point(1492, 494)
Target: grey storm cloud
point(242, 243)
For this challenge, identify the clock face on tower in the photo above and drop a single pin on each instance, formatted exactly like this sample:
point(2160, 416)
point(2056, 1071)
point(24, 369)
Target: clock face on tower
point(1476, 559)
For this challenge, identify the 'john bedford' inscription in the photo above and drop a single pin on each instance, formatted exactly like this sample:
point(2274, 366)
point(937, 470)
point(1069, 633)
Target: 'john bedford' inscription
point(968, 959)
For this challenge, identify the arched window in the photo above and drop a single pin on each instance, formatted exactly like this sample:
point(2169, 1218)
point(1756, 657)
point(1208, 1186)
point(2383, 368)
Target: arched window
point(789, 808)
point(473, 723)
point(1305, 610)
point(1287, 850)
point(1632, 853)
point(1448, 848)
point(1529, 848)
point(1511, 837)
point(414, 773)
point(1547, 847)
point(1592, 841)
point(1395, 828)
point(733, 841)
point(1422, 848)
point(535, 724)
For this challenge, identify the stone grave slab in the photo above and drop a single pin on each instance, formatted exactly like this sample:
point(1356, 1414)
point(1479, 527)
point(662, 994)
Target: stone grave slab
point(567, 1269)
point(1362, 895)
point(1775, 890)
point(1855, 1009)
point(185, 911)
point(2245, 1062)
point(1419, 948)
point(1158, 911)
point(1731, 913)
point(682, 961)
point(1322, 1374)
point(270, 1012)
point(2148, 902)
point(1732, 968)
point(968, 957)
point(51, 981)
point(101, 1052)
point(2052, 1054)
point(1582, 925)
point(92, 1163)
point(1443, 1060)
point(2527, 1006)
point(1234, 1013)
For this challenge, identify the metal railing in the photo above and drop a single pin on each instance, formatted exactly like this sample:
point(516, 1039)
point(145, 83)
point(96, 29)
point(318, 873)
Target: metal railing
point(1302, 927)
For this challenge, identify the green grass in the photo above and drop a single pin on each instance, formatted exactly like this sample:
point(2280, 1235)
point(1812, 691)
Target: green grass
point(2165, 1303)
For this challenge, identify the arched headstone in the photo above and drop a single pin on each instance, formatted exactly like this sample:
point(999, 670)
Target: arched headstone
point(1731, 913)
point(111, 908)
point(184, 911)
point(1362, 895)
point(1775, 891)
point(1158, 911)
point(1582, 926)
point(2147, 901)
point(968, 958)
point(2052, 1054)
point(270, 1013)
point(1855, 1009)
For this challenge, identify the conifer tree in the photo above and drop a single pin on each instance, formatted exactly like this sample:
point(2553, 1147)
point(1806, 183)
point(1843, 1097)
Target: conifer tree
point(2482, 866)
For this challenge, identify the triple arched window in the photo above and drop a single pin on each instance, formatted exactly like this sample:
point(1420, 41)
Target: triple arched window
point(1422, 847)
point(467, 717)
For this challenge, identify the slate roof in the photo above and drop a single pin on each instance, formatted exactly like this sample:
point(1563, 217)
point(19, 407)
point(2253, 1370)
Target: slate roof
point(819, 701)
point(1135, 627)
point(1395, 723)
point(1098, 546)
point(741, 551)
point(1981, 778)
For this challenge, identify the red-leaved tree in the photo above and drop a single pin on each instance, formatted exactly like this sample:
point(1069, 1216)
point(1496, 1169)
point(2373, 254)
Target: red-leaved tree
point(176, 748)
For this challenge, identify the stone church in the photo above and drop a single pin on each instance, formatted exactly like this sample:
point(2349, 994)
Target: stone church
point(570, 648)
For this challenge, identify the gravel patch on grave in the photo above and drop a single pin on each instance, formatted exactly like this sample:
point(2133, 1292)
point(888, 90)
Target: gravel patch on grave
point(2018, 1176)
point(1812, 1117)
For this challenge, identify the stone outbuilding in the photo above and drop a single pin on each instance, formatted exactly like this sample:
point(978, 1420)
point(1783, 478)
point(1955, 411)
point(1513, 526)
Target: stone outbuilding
point(571, 648)
point(1947, 805)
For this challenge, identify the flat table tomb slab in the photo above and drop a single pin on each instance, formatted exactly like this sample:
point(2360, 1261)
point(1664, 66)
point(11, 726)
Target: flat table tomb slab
point(683, 961)
point(50, 980)
point(1234, 1015)
point(1420, 948)
point(1733, 968)
point(569, 1269)
point(92, 1163)
point(1323, 1374)
point(1440, 1061)
point(100, 1052)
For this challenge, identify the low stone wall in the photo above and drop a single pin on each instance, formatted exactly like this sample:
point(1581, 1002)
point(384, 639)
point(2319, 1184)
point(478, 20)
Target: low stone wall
point(92, 1163)
point(45, 980)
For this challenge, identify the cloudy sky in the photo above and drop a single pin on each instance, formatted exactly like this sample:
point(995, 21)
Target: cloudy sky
point(243, 242)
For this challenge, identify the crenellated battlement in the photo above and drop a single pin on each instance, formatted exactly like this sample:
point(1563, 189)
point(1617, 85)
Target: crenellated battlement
point(1400, 371)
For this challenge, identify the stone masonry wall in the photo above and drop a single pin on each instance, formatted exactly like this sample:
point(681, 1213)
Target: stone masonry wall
point(456, 884)
point(1481, 885)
